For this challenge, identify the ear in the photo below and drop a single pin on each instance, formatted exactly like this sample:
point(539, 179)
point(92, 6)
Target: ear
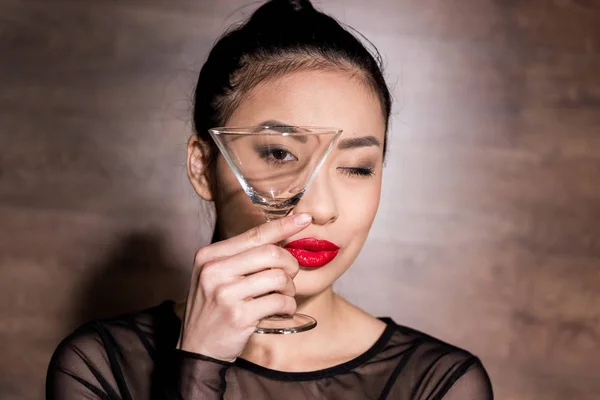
point(198, 154)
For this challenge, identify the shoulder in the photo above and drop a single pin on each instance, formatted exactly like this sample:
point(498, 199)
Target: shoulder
point(93, 358)
point(80, 364)
point(434, 369)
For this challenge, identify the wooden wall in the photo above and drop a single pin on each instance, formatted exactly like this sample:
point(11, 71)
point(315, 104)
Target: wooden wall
point(489, 230)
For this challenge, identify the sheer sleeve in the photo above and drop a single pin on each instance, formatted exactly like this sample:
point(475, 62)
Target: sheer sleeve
point(197, 377)
point(434, 370)
point(79, 369)
point(474, 384)
point(94, 363)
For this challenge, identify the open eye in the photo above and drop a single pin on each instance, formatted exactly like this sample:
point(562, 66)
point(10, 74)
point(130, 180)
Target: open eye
point(276, 155)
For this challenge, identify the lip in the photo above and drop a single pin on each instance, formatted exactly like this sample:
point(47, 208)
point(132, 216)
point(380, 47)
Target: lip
point(312, 252)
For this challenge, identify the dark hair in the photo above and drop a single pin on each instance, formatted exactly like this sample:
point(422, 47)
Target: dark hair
point(281, 36)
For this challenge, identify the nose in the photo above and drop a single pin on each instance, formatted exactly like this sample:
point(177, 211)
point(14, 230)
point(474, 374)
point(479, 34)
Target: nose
point(319, 200)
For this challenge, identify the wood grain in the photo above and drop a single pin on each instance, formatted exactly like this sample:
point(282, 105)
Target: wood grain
point(488, 234)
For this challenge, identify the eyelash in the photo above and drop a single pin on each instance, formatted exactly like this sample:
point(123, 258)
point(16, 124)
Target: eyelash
point(358, 172)
point(267, 153)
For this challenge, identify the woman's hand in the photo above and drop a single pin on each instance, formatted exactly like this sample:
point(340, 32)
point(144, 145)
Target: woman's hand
point(231, 282)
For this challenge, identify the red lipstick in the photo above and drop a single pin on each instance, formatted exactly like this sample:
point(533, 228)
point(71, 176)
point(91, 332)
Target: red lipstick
point(311, 252)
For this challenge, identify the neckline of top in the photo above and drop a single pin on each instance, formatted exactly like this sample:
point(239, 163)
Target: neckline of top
point(344, 367)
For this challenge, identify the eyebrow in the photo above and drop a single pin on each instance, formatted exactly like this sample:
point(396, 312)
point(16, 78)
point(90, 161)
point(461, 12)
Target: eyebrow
point(272, 123)
point(279, 126)
point(353, 143)
point(282, 127)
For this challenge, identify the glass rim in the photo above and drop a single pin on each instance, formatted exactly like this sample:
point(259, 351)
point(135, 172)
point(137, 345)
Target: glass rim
point(256, 130)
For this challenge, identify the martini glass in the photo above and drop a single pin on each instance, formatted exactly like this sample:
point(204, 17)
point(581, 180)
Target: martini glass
point(275, 165)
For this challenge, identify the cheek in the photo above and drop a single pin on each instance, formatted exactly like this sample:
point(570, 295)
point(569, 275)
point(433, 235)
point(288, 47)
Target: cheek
point(361, 204)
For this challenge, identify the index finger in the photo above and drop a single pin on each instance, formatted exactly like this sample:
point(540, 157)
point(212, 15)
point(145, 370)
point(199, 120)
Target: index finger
point(269, 232)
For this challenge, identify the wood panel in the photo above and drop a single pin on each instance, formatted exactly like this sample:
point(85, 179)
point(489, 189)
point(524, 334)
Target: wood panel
point(488, 234)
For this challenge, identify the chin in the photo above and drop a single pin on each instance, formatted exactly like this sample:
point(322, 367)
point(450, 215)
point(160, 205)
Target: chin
point(313, 281)
point(308, 291)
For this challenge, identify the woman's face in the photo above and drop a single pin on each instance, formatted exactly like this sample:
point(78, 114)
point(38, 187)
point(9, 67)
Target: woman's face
point(344, 197)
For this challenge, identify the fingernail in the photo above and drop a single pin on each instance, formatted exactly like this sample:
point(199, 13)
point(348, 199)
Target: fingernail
point(302, 219)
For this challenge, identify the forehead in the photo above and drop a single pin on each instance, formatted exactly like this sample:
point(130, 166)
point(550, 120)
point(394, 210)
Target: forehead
point(314, 98)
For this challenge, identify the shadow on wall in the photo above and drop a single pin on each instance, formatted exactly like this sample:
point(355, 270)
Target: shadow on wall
point(139, 272)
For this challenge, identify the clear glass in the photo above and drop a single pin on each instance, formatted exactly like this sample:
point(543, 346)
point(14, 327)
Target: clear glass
point(275, 166)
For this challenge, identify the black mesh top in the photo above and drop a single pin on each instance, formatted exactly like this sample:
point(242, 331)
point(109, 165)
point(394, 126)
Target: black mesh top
point(134, 357)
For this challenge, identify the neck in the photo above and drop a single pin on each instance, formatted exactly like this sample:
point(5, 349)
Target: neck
point(282, 351)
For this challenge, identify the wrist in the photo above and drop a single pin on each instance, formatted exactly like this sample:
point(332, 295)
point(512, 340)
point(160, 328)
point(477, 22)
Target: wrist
point(204, 357)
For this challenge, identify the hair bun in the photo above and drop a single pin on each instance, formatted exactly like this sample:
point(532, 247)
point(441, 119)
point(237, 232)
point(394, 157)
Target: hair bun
point(276, 10)
point(298, 5)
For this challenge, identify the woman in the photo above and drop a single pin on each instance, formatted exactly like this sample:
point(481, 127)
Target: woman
point(292, 64)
